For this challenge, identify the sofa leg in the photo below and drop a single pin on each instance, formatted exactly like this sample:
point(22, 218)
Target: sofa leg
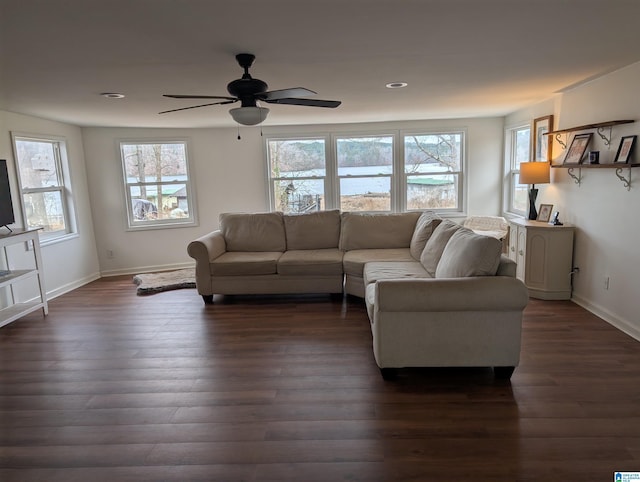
point(208, 299)
point(503, 373)
point(389, 373)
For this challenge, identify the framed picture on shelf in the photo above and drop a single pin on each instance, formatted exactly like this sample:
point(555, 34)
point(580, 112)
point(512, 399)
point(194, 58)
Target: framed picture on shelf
point(542, 143)
point(545, 212)
point(624, 150)
point(578, 147)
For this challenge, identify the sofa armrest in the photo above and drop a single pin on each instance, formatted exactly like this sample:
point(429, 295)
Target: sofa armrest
point(208, 247)
point(482, 293)
point(204, 250)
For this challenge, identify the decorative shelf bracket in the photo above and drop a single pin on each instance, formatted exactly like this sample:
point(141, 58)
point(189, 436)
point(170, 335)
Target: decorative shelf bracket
point(561, 141)
point(605, 139)
point(624, 180)
point(577, 179)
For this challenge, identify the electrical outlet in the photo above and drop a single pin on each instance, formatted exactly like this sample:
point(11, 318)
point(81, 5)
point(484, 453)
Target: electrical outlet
point(110, 254)
point(606, 282)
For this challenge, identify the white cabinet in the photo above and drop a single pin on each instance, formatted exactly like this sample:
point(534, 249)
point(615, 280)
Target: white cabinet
point(14, 274)
point(544, 257)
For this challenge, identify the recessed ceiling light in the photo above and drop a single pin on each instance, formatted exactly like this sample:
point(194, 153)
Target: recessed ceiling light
point(112, 95)
point(396, 85)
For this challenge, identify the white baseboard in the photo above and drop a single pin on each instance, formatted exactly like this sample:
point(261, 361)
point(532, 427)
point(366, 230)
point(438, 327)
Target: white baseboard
point(145, 269)
point(609, 317)
point(72, 286)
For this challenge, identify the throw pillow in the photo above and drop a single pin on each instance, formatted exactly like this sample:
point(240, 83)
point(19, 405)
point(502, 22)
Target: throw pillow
point(425, 225)
point(469, 254)
point(435, 246)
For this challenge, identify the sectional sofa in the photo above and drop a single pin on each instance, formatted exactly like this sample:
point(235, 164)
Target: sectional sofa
point(437, 293)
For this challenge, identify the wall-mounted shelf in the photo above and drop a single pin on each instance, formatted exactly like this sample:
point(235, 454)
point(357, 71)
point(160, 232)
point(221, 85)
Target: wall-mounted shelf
point(600, 127)
point(620, 168)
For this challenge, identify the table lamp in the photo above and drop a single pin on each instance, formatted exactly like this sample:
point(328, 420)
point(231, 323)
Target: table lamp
point(534, 173)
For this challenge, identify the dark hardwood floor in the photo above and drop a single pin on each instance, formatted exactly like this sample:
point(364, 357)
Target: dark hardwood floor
point(116, 387)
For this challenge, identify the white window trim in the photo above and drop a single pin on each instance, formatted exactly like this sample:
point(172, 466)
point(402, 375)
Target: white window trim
point(509, 171)
point(394, 166)
point(191, 221)
point(66, 189)
point(460, 208)
point(328, 200)
point(398, 177)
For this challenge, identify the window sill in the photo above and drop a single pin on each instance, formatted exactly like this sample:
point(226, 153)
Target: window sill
point(156, 226)
point(48, 241)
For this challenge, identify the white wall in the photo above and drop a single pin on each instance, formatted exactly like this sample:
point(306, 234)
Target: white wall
point(230, 176)
point(73, 262)
point(604, 212)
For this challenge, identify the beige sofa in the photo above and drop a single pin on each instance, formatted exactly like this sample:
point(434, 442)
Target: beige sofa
point(437, 294)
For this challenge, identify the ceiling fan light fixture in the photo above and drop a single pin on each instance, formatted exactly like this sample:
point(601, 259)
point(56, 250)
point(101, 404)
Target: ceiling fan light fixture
point(249, 116)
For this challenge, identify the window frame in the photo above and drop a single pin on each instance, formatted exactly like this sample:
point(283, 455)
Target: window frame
point(160, 223)
point(328, 197)
point(63, 186)
point(398, 179)
point(461, 177)
point(335, 138)
point(511, 170)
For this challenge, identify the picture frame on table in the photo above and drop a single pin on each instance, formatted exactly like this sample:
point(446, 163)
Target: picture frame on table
point(576, 150)
point(623, 155)
point(544, 214)
point(542, 144)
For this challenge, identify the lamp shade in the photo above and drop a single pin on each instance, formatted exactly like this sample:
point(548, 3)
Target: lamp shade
point(534, 173)
point(249, 116)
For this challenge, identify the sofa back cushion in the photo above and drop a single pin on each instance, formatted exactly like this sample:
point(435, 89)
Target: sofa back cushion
point(435, 245)
point(377, 231)
point(427, 222)
point(253, 232)
point(317, 230)
point(469, 254)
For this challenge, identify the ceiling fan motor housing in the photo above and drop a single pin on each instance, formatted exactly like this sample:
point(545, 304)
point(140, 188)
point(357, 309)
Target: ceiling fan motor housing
point(245, 90)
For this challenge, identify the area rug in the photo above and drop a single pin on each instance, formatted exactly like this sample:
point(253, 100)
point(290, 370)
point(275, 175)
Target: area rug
point(151, 283)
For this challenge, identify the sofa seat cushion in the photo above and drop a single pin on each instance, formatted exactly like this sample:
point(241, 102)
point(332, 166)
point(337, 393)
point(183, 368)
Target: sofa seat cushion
point(469, 254)
point(245, 263)
point(253, 232)
point(355, 260)
point(316, 230)
point(319, 262)
point(378, 270)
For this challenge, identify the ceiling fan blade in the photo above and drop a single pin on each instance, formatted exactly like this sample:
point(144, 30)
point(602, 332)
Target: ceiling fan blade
point(285, 93)
point(182, 96)
point(306, 102)
point(201, 105)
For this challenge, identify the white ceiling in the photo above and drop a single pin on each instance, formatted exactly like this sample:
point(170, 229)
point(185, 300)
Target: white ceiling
point(461, 58)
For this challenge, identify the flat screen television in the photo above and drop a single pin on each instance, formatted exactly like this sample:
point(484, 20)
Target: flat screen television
point(6, 206)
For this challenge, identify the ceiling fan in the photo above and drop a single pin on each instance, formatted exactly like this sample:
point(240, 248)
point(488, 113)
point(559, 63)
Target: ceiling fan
point(249, 91)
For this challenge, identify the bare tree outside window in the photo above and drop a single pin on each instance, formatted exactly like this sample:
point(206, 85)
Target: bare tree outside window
point(433, 166)
point(157, 183)
point(45, 197)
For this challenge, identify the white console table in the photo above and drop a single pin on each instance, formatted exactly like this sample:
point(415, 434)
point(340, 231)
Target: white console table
point(14, 274)
point(544, 257)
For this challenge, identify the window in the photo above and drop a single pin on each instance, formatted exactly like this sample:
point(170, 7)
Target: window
point(518, 144)
point(297, 173)
point(157, 184)
point(365, 169)
point(44, 186)
point(371, 172)
point(433, 171)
